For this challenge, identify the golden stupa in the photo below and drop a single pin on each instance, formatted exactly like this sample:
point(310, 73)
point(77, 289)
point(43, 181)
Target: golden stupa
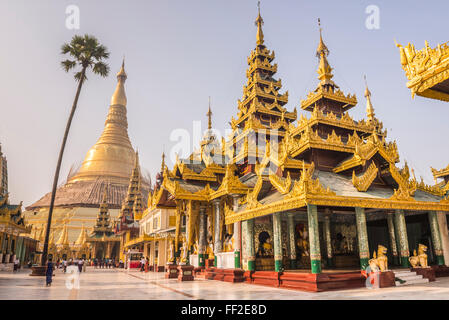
point(112, 157)
point(107, 167)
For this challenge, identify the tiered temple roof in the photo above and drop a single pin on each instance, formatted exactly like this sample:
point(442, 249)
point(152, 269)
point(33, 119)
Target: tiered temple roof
point(132, 207)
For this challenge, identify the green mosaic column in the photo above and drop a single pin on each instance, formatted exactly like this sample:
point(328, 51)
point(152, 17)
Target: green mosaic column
point(401, 227)
point(202, 241)
point(217, 241)
point(393, 243)
point(314, 238)
point(436, 237)
point(327, 235)
point(237, 234)
point(362, 237)
point(277, 243)
point(291, 240)
point(249, 244)
point(188, 235)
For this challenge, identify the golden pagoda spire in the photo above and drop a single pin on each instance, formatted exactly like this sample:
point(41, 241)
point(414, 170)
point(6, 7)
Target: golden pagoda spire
point(119, 96)
point(324, 69)
point(369, 105)
point(64, 237)
point(163, 162)
point(259, 24)
point(209, 116)
point(112, 156)
point(82, 237)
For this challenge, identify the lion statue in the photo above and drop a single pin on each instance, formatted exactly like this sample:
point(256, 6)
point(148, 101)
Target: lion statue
point(379, 262)
point(420, 259)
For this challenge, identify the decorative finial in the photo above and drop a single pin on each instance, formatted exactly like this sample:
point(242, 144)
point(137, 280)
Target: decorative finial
point(209, 116)
point(163, 162)
point(121, 75)
point(322, 48)
point(259, 23)
point(369, 105)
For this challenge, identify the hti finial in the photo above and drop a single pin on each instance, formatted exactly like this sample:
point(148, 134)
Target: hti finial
point(209, 115)
point(163, 161)
point(367, 92)
point(259, 23)
point(322, 49)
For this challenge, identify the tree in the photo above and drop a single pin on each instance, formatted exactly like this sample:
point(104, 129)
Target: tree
point(85, 52)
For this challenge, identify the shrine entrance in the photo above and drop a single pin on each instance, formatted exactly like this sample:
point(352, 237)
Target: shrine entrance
point(418, 232)
point(378, 235)
point(263, 241)
point(344, 244)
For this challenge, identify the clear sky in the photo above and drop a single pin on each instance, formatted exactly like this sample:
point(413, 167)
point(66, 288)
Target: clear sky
point(180, 52)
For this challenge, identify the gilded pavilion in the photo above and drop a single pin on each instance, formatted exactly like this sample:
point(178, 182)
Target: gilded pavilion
point(15, 238)
point(321, 191)
point(107, 167)
point(427, 71)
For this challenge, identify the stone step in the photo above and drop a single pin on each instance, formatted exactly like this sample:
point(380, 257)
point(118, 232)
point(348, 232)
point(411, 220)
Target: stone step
point(410, 278)
point(404, 273)
point(410, 282)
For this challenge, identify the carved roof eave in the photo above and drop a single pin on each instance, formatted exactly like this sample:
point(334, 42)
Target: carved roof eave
point(440, 173)
point(360, 160)
point(335, 201)
point(173, 187)
point(337, 123)
point(426, 68)
point(5, 221)
point(324, 145)
point(308, 104)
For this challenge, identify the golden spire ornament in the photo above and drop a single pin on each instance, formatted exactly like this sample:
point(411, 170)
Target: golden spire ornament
point(369, 105)
point(209, 116)
point(324, 69)
point(259, 24)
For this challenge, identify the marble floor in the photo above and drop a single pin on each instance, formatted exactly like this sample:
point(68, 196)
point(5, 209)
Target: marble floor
point(114, 284)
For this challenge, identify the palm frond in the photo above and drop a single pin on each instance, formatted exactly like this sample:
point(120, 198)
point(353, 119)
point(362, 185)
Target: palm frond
point(101, 68)
point(78, 76)
point(67, 65)
point(87, 52)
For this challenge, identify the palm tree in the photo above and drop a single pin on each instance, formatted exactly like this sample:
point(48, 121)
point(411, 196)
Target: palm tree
point(87, 53)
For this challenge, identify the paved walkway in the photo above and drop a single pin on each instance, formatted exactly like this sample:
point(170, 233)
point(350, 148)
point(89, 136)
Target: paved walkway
point(113, 284)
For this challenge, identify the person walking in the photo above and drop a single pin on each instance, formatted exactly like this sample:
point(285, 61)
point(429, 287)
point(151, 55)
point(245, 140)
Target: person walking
point(16, 264)
point(84, 265)
point(147, 264)
point(64, 265)
point(80, 265)
point(49, 273)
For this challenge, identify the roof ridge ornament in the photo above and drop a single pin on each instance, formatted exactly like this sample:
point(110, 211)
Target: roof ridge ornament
point(369, 106)
point(259, 24)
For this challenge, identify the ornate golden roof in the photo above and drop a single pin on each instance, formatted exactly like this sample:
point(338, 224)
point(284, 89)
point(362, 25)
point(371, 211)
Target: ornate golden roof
point(427, 70)
point(64, 237)
point(82, 237)
point(113, 156)
point(327, 89)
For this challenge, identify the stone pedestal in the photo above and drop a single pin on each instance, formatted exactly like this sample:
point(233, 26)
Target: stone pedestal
point(171, 271)
point(427, 273)
point(209, 263)
point(386, 279)
point(185, 273)
point(39, 271)
point(441, 271)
